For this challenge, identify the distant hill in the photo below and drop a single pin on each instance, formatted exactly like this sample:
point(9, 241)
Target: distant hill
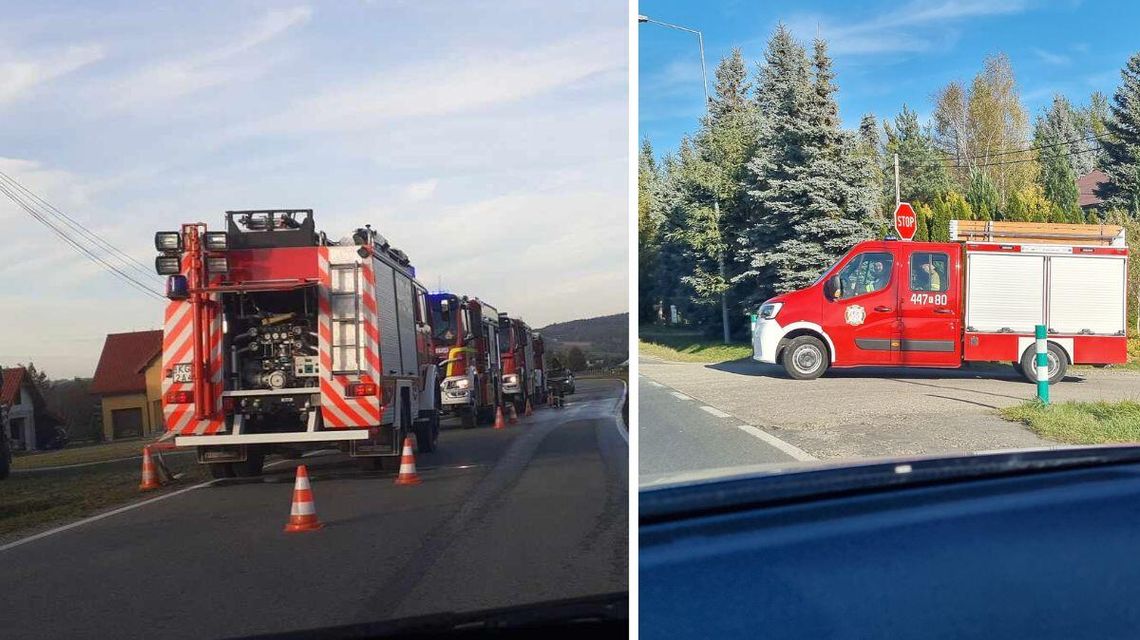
point(602, 336)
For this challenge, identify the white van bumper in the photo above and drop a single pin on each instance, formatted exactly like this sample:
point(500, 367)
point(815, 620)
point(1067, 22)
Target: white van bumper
point(765, 339)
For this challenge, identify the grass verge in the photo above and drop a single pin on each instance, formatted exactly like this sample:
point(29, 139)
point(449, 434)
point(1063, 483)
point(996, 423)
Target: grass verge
point(31, 501)
point(79, 454)
point(691, 349)
point(1080, 422)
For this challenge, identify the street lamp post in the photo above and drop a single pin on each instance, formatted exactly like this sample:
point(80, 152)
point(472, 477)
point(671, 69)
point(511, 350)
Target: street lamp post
point(642, 19)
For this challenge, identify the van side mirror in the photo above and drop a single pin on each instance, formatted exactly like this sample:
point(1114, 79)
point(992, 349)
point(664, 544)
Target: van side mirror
point(832, 288)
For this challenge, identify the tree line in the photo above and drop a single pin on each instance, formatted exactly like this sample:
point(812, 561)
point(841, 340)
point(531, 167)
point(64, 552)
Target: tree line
point(771, 189)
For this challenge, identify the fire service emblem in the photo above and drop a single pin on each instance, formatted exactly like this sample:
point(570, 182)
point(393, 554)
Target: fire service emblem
point(855, 315)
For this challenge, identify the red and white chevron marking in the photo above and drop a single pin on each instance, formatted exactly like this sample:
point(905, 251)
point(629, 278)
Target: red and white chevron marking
point(337, 409)
point(178, 348)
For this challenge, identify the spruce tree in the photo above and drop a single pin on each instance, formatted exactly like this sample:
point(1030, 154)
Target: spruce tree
point(922, 171)
point(648, 239)
point(1060, 160)
point(811, 194)
point(1122, 144)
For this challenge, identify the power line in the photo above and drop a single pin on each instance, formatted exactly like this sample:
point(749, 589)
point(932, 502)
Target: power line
point(123, 257)
point(1017, 161)
point(63, 235)
point(1043, 146)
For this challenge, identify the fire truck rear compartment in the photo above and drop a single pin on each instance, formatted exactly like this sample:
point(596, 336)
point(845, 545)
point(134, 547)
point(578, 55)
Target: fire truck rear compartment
point(272, 369)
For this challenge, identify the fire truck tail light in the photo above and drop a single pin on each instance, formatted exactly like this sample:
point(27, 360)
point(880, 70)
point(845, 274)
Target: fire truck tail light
point(216, 241)
point(167, 265)
point(769, 310)
point(180, 397)
point(168, 241)
point(228, 406)
point(359, 389)
point(217, 265)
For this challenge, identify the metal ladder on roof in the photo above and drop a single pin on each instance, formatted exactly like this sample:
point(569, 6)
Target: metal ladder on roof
point(344, 307)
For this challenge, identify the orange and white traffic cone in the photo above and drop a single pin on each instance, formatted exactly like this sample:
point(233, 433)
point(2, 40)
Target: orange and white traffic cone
point(529, 412)
point(499, 422)
point(512, 415)
point(149, 472)
point(303, 514)
point(408, 473)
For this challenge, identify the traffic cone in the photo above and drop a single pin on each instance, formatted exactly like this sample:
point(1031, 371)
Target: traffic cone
point(529, 412)
point(149, 472)
point(303, 514)
point(499, 422)
point(408, 473)
point(512, 415)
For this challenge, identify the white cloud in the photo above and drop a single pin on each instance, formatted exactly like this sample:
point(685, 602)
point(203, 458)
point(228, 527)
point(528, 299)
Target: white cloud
point(168, 79)
point(1048, 57)
point(915, 27)
point(420, 191)
point(20, 75)
point(462, 82)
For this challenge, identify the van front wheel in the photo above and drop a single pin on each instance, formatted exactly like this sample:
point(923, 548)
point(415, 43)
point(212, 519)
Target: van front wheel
point(805, 358)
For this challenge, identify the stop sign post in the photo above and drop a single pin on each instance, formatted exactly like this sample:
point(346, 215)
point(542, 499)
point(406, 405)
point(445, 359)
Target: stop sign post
point(906, 223)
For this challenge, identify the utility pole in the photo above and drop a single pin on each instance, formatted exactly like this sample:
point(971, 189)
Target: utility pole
point(716, 197)
point(897, 199)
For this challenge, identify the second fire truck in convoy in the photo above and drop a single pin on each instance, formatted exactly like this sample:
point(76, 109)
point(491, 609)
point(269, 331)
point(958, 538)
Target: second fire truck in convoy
point(465, 333)
point(278, 338)
point(945, 304)
point(522, 363)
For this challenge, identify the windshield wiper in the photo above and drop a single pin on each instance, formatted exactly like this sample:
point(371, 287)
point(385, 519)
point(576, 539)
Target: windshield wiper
point(609, 610)
point(735, 493)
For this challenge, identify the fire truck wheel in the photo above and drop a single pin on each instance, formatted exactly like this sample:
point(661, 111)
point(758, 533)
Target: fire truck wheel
point(467, 418)
point(425, 440)
point(221, 470)
point(1058, 363)
point(253, 465)
point(805, 358)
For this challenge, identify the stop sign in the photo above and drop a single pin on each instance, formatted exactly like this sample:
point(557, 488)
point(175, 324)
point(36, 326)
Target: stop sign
point(906, 223)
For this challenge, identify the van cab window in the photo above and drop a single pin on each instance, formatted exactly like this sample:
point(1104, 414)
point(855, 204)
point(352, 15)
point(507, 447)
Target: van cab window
point(866, 273)
point(929, 271)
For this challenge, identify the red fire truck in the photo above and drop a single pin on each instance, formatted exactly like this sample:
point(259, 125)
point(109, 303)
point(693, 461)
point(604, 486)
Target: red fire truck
point(516, 346)
point(465, 333)
point(278, 339)
point(943, 304)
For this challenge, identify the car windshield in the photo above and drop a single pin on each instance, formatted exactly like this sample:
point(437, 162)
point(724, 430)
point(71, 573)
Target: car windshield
point(445, 322)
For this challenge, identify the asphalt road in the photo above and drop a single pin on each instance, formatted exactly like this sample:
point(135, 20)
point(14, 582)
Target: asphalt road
point(679, 435)
point(858, 413)
point(532, 513)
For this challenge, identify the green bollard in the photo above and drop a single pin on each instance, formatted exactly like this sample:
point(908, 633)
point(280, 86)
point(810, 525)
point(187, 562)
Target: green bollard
point(1042, 365)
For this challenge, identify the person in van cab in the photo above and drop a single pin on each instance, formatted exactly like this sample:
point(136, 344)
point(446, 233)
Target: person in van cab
point(934, 280)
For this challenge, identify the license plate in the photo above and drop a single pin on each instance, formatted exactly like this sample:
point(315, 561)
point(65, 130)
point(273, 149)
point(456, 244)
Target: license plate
point(181, 373)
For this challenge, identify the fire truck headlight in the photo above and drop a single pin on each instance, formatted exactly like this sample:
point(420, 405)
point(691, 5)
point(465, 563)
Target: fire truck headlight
point(769, 310)
point(216, 264)
point(168, 241)
point(511, 378)
point(167, 265)
point(216, 241)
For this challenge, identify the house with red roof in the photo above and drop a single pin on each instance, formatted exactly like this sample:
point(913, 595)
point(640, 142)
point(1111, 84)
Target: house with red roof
point(27, 421)
point(128, 381)
point(1087, 186)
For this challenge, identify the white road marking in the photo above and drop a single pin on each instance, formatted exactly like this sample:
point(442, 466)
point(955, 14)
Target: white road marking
point(656, 384)
point(792, 450)
point(678, 394)
point(129, 507)
point(617, 414)
point(714, 411)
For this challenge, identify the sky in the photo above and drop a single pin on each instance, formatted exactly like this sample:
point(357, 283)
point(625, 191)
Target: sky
point(488, 140)
point(886, 53)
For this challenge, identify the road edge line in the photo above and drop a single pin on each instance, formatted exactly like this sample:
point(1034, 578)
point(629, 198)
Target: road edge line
point(790, 449)
point(617, 412)
point(107, 514)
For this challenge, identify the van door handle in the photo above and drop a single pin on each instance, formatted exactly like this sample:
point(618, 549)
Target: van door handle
point(883, 308)
point(944, 311)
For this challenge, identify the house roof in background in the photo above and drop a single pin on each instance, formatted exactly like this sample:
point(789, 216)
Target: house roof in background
point(13, 379)
point(122, 366)
point(1087, 185)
